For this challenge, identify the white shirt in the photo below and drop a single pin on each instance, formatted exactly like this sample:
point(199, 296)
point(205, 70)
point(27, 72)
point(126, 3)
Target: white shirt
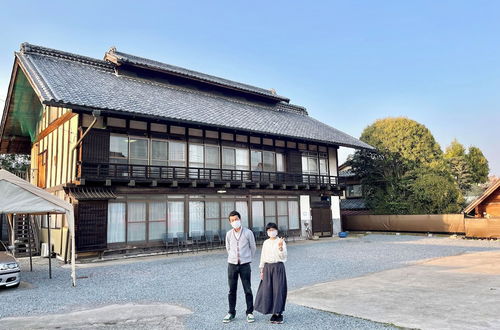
point(271, 253)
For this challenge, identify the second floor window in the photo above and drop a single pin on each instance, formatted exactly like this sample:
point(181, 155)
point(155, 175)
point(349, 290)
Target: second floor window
point(235, 159)
point(267, 161)
point(143, 151)
point(118, 149)
point(315, 163)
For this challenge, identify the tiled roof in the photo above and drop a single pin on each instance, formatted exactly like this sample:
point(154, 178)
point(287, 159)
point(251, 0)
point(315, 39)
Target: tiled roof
point(122, 58)
point(75, 81)
point(347, 173)
point(353, 204)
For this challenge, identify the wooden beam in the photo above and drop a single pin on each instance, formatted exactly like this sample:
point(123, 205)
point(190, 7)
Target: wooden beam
point(54, 125)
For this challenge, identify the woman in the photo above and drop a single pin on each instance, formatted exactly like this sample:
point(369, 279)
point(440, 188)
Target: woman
point(271, 296)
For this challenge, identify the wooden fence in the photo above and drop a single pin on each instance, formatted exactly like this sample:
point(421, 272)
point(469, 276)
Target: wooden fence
point(426, 223)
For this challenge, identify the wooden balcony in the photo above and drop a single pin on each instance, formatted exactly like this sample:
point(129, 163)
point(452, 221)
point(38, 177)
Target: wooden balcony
point(199, 177)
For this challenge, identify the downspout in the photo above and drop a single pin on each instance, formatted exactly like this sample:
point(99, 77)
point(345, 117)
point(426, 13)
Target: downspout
point(96, 114)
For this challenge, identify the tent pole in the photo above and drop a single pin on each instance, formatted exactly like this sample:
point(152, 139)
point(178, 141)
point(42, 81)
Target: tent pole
point(50, 246)
point(29, 242)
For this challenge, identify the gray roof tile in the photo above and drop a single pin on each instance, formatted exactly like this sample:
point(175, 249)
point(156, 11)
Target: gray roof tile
point(73, 80)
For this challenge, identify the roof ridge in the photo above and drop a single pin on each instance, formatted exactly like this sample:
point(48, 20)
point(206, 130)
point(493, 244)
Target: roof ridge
point(27, 48)
point(143, 61)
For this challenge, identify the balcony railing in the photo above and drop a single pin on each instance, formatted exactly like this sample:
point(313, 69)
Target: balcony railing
point(173, 173)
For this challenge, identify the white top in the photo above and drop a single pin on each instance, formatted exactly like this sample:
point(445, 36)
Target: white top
point(271, 253)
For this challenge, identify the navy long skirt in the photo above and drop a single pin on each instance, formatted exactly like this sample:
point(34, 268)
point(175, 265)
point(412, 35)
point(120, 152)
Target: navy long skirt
point(271, 295)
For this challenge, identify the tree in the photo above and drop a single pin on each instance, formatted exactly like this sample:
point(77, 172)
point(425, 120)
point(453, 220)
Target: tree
point(433, 193)
point(459, 165)
point(411, 140)
point(408, 174)
point(478, 165)
point(14, 163)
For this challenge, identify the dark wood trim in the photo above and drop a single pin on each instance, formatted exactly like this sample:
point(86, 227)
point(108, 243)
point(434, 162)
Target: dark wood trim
point(13, 76)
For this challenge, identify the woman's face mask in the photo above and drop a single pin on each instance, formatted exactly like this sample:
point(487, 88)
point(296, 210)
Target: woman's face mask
point(272, 233)
point(236, 224)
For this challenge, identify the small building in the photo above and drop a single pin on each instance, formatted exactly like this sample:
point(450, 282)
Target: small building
point(352, 201)
point(488, 204)
point(145, 149)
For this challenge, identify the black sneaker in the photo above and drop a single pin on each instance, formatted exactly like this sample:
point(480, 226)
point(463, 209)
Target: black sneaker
point(279, 319)
point(273, 318)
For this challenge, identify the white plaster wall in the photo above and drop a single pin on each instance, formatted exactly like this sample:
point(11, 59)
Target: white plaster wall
point(332, 161)
point(305, 213)
point(335, 206)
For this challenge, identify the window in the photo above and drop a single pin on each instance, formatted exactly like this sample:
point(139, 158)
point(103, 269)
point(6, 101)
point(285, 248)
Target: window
point(136, 217)
point(256, 160)
point(323, 166)
point(212, 212)
point(157, 220)
point(175, 217)
point(212, 156)
point(242, 208)
point(280, 162)
point(354, 190)
point(293, 215)
point(258, 214)
point(177, 154)
point(269, 161)
point(139, 151)
point(159, 153)
point(228, 158)
point(196, 155)
point(282, 214)
point(196, 217)
point(270, 211)
point(226, 208)
point(118, 149)
point(242, 159)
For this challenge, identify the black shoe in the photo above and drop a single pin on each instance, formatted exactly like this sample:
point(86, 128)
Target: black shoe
point(273, 318)
point(279, 319)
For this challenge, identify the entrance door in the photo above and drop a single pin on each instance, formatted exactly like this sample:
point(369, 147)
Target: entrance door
point(321, 221)
point(42, 169)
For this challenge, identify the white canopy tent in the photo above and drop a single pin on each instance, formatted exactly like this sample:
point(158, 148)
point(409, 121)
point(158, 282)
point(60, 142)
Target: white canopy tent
point(18, 196)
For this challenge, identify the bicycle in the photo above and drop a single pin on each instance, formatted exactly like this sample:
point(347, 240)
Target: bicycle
point(309, 234)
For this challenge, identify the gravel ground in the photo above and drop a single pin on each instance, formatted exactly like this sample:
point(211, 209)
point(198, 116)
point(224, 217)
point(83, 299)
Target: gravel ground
point(198, 282)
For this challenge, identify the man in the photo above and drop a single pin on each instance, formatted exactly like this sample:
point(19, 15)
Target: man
point(240, 246)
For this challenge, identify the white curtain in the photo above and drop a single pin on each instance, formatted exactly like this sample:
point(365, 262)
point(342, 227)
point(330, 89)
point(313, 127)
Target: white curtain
point(136, 221)
point(177, 153)
point(116, 222)
point(242, 208)
point(258, 214)
point(270, 207)
point(242, 159)
point(196, 217)
point(293, 214)
point(227, 207)
point(282, 214)
point(175, 217)
point(213, 216)
point(157, 220)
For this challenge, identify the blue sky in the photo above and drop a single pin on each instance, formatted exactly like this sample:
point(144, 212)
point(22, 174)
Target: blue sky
point(348, 62)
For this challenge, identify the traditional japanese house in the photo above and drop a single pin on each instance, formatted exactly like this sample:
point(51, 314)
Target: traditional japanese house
point(143, 149)
point(352, 201)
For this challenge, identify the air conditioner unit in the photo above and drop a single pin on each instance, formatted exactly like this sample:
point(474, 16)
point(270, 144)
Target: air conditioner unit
point(44, 252)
